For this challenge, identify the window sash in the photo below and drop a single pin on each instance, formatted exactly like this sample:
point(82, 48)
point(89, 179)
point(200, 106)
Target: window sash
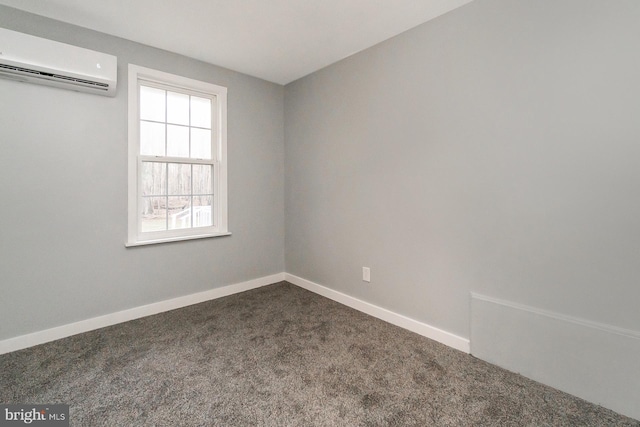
point(216, 118)
point(215, 213)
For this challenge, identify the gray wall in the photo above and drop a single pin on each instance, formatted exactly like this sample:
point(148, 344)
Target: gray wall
point(63, 192)
point(494, 149)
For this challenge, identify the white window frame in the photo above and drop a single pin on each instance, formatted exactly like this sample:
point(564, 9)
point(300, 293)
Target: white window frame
point(149, 77)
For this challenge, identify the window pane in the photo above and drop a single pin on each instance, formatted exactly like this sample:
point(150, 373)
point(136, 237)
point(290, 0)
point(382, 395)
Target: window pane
point(154, 178)
point(202, 183)
point(179, 212)
point(152, 104)
point(151, 139)
point(177, 141)
point(202, 211)
point(154, 214)
point(179, 179)
point(177, 108)
point(200, 112)
point(200, 144)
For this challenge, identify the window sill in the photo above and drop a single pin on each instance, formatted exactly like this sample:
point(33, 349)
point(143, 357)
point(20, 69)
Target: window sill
point(174, 239)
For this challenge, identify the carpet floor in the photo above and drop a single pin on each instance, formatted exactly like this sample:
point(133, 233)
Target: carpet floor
point(279, 356)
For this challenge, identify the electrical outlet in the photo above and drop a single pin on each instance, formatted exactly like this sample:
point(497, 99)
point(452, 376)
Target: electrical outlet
point(366, 274)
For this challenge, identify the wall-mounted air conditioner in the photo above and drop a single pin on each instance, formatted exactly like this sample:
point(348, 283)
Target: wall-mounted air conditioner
point(32, 59)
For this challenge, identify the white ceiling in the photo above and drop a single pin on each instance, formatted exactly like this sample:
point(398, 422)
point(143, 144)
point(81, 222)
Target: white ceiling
point(276, 40)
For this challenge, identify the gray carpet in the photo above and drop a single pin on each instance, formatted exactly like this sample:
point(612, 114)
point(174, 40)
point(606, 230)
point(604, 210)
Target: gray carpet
point(279, 356)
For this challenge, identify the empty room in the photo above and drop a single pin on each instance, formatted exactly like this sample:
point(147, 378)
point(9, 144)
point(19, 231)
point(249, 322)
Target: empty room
point(320, 213)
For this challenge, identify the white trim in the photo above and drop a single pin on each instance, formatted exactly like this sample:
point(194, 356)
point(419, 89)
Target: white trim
point(174, 239)
point(436, 334)
point(558, 316)
point(132, 154)
point(41, 337)
point(163, 78)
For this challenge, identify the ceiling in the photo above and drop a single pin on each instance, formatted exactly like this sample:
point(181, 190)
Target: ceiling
point(276, 40)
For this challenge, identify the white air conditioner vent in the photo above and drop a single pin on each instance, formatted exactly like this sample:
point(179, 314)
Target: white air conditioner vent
point(32, 59)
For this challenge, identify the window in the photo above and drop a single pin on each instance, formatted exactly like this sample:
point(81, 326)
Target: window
point(177, 158)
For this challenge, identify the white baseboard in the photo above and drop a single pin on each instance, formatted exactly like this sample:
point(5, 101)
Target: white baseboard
point(47, 335)
point(404, 322)
point(41, 337)
point(591, 360)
